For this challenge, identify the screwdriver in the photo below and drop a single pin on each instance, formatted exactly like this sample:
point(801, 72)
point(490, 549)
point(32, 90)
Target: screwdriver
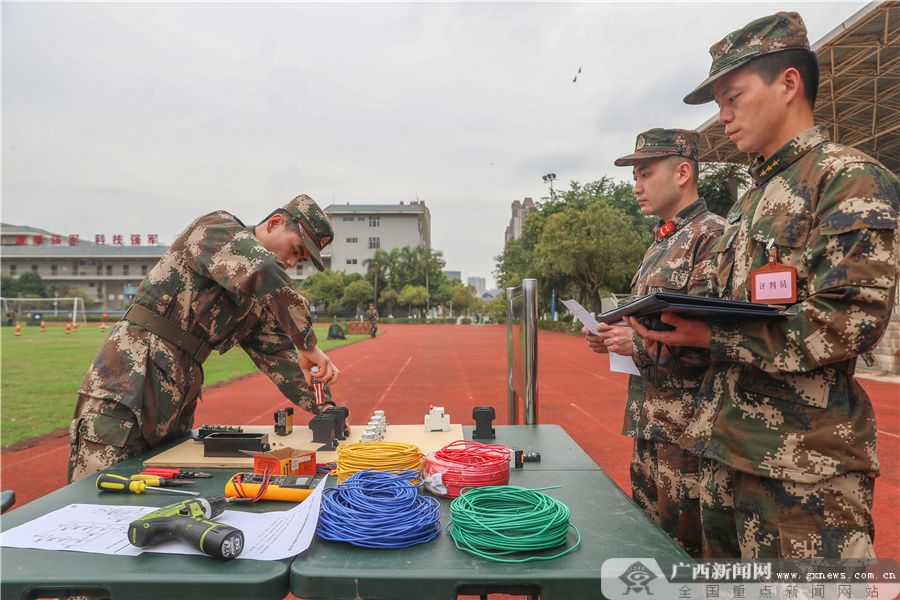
point(156, 480)
point(117, 483)
point(174, 473)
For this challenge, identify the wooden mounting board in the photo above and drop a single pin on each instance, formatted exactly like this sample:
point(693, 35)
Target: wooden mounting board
point(190, 453)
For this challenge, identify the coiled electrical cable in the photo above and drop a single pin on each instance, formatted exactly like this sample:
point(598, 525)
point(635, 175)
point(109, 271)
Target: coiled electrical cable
point(466, 463)
point(496, 522)
point(378, 456)
point(376, 509)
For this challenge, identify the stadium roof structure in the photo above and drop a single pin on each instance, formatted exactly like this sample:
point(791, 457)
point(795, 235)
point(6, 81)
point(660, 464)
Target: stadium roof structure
point(859, 89)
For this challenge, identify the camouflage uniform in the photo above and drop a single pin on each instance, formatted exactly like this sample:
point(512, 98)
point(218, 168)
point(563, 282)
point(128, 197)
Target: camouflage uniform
point(664, 476)
point(372, 317)
point(219, 283)
point(786, 432)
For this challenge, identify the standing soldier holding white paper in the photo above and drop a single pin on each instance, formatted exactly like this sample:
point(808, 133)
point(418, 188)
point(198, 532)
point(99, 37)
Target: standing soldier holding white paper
point(664, 476)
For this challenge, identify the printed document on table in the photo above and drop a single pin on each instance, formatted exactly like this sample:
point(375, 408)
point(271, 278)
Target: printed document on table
point(617, 362)
point(103, 529)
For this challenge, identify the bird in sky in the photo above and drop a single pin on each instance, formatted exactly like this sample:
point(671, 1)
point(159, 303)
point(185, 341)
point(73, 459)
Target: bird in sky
point(575, 80)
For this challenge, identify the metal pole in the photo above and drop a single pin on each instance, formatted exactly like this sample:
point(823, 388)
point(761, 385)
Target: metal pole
point(510, 390)
point(529, 324)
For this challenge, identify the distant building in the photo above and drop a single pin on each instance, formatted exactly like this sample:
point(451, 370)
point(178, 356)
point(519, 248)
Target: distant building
point(456, 275)
point(520, 210)
point(361, 229)
point(108, 274)
point(478, 283)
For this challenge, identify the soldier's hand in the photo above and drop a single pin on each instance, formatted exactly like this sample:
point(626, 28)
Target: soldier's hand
point(619, 339)
point(347, 424)
point(595, 342)
point(687, 332)
point(327, 373)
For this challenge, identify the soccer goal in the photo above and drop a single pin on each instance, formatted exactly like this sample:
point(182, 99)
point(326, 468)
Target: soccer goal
point(71, 309)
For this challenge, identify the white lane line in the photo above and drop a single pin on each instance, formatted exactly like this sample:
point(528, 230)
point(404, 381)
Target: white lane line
point(396, 377)
point(880, 432)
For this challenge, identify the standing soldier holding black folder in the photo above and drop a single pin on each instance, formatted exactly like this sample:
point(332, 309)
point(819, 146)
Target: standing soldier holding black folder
point(787, 435)
point(664, 476)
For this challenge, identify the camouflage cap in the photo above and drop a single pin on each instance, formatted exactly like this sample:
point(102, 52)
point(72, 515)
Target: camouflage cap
point(315, 229)
point(781, 31)
point(657, 143)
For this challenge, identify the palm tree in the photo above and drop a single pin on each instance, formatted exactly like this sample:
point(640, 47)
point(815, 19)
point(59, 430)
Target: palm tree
point(378, 269)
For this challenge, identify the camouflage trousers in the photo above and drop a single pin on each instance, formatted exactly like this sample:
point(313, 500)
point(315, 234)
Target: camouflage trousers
point(748, 516)
point(102, 433)
point(664, 483)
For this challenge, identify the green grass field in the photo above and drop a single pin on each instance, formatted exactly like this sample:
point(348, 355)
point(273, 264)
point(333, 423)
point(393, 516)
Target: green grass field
point(41, 373)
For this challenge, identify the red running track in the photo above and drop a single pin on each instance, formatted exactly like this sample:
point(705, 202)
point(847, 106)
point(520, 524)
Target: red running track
point(413, 366)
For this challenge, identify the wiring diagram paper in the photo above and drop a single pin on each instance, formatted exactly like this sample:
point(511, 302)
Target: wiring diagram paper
point(617, 362)
point(100, 528)
point(103, 529)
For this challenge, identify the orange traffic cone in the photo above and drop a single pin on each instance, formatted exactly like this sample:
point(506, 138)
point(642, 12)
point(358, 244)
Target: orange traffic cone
point(74, 326)
point(102, 326)
point(68, 328)
point(18, 329)
point(43, 326)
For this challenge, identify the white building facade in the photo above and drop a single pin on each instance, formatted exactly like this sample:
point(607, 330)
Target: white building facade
point(361, 229)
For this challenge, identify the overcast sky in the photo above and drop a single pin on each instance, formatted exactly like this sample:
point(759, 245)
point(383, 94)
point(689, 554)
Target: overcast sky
point(136, 118)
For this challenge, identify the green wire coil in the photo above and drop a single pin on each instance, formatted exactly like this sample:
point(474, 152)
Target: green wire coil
point(494, 522)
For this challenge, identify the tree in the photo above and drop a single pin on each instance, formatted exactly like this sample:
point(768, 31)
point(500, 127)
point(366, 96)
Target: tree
point(443, 293)
point(387, 297)
point(357, 294)
point(496, 308)
point(521, 259)
point(8, 287)
point(596, 248)
point(719, 186)
point(378, 270)
point(413, 296)
point(325, 289)
point(31, 284)
point(464, 299)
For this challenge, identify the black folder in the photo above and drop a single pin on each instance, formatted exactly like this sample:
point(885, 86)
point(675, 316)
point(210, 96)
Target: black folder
point(692, 307)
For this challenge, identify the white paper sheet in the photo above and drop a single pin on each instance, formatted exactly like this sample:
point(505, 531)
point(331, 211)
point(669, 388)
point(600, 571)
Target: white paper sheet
point(617, 362)
point(103, 529)
point(622, 364)
point(582, 314)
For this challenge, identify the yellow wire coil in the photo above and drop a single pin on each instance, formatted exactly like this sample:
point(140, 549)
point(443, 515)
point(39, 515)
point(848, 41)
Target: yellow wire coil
point(378, 456)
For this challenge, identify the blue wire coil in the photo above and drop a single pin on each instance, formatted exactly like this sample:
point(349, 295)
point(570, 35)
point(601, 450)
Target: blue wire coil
point(379, 509)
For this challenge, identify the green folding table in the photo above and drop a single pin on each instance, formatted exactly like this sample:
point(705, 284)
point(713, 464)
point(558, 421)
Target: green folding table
point(610, 523)
point(611, 526)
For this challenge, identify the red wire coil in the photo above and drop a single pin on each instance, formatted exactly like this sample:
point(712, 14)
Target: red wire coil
point(469, 464)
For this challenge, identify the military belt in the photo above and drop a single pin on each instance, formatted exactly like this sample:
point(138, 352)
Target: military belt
point(169, 331)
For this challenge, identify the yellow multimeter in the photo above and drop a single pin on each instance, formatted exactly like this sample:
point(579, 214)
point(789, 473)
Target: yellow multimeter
point(288, 488)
